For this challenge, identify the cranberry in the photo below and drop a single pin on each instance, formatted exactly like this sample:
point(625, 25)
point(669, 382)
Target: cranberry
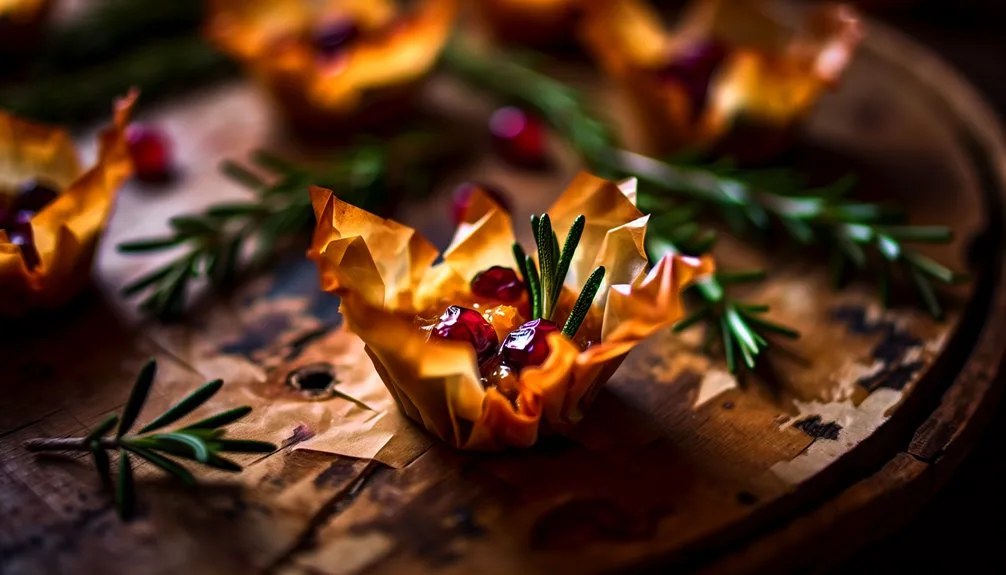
point(519, 137)
point(527, 345)
point(498, 283)
point(463, 324)
point(693, 68)
point(150, 150)
point(462, 196)
point(33, 195)
point(333, 35)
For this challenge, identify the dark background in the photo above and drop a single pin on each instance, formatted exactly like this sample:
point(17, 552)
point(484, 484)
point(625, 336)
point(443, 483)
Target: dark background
point(962, 528)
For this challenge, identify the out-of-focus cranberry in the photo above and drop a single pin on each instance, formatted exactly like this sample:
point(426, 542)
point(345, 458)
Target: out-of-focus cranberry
point(150, 150)
point(462, 197)
point(518, 137)
point(498, 283)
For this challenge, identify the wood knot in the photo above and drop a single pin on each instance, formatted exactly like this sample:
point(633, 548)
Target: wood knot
point(315, 381)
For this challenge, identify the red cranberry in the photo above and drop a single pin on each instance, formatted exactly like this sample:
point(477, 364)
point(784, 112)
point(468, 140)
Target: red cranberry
point(463, 196)
point(150, 150)
point(519, 137)
point(334, 35)
point(463, 324)
point(498, 283)
point(527, 345)
point(34, 196)
point(693, 68)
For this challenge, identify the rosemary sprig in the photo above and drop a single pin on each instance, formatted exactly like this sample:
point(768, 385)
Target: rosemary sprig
point(739, 325)
point(202, 442)
point(848, 228)
point(545, 287)
point(215, 241)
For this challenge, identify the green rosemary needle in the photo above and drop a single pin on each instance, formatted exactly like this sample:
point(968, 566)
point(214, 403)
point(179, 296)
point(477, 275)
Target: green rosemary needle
point(547, 262)
point(583, 302)
point(534, 284)
point(566, 256)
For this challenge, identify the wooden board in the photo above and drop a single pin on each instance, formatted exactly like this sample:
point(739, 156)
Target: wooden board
point(678, 465)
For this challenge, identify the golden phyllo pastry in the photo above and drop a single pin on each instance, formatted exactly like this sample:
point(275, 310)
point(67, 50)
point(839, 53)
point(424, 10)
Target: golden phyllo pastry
point(492, 347)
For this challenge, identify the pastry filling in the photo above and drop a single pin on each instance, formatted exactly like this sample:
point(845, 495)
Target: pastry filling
point(508, 320)
point(691, 69)
point(16, 212)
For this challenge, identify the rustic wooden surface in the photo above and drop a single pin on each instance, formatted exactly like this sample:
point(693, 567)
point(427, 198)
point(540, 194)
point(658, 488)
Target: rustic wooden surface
point(678, 464)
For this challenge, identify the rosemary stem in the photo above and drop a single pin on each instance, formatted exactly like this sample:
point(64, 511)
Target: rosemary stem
point(68, 444)
point(699, 185)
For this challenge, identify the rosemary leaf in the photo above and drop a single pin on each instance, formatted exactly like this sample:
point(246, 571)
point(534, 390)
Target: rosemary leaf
point(138, 396)
point(125, 492)
point(147, 280)
point(151, 245)
point(583, 302)
point(566, 255)
point(728, 345)
point(192, 226)
point(547, 262)
point(919, 234)
point(197, 446)
point(101, 462)
point(222, 463)
point(186, 406)
point(234, 209)
point(164, 463)
point(273, 163)
point(534, 284)
point(930, 268)
point(743, 334)
point(926, 293)
point(242, 175)
point(773, 327)
point(748, 355)
point(221, 419)
point(104, 427)
point(519, 258)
